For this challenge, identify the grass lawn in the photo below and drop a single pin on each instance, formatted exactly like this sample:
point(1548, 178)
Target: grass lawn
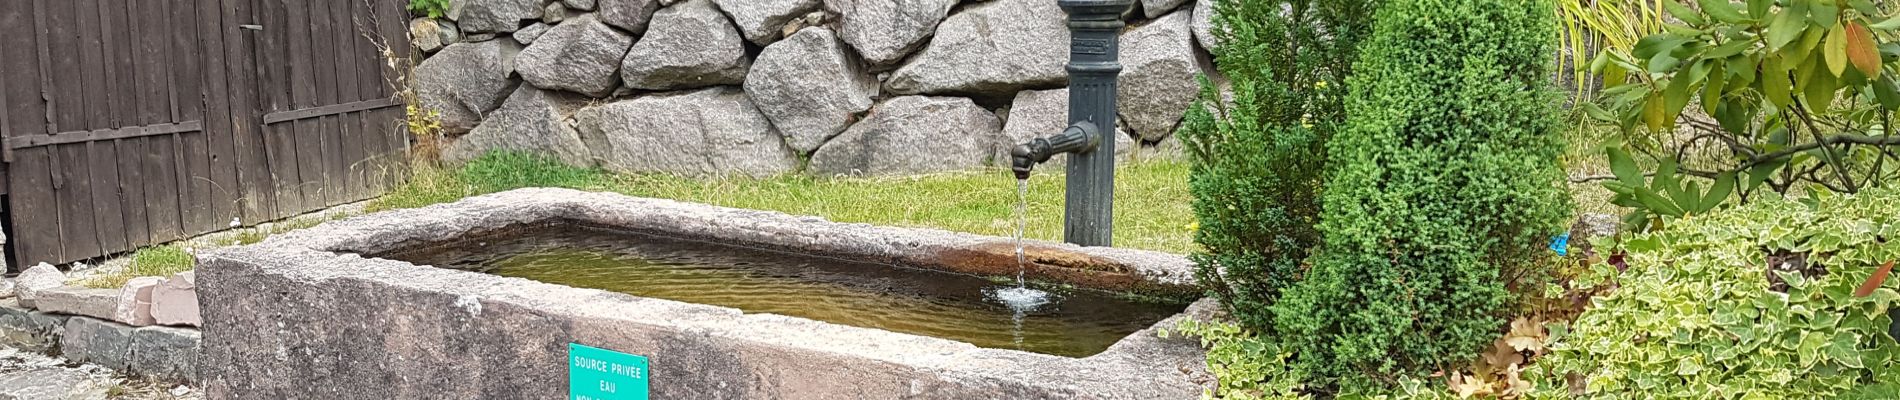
point(1151, 197)
point(150, 261)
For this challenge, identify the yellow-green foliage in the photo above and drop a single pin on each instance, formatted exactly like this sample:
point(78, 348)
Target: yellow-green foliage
point(1594, 27)
point(1695, 316)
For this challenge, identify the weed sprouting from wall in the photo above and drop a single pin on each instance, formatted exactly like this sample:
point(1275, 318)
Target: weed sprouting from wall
point(423, 125)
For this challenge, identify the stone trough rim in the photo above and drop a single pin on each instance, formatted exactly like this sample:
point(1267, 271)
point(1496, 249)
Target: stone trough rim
point(340, 245)
point(1170, 275)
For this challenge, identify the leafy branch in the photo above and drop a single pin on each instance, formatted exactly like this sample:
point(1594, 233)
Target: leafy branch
point(1790, 94)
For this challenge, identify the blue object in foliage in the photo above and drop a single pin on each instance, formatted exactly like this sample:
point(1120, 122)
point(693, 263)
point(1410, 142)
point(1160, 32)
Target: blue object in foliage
point(1561, 244)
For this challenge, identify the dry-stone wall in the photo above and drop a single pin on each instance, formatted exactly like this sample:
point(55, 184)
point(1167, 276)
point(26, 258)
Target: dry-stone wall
point(766, 87)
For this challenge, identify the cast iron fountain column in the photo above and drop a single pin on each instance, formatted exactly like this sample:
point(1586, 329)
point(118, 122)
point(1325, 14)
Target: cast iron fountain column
point(1094, 44)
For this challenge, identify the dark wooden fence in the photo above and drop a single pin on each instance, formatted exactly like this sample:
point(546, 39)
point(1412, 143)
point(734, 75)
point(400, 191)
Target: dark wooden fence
point(128, 123)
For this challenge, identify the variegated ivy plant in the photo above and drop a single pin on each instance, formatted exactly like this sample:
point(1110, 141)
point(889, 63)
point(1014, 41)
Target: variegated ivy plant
point(1778, 299)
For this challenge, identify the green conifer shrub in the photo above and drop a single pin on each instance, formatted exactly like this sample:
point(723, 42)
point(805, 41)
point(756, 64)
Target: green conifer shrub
point(1258, 158)
point(1445, 174)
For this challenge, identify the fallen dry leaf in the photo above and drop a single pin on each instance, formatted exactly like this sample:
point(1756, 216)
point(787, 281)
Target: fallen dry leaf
point(1499, 356)
point(1514, 386)
point(1468, 386)
point(1874, 282)
point(1526, 335)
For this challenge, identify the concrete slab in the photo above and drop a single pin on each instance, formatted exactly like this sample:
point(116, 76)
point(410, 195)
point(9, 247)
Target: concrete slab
point(76, 300)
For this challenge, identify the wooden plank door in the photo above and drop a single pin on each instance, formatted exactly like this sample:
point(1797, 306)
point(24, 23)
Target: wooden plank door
point(330, 122)
point(106, 127)
point(129, 123)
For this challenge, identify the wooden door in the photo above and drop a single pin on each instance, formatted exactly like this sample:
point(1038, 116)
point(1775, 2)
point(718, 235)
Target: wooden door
point(129, 123)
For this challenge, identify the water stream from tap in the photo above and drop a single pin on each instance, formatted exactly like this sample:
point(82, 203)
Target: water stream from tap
point(1022, 223)
point(1021, 299)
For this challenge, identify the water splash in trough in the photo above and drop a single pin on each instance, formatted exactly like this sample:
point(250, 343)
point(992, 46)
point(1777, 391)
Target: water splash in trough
point(1020, 299)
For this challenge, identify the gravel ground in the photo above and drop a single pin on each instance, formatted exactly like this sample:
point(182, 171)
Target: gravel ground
point(26, 375)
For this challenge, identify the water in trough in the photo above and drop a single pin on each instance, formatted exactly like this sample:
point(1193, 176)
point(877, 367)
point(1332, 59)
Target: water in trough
point(985, 312)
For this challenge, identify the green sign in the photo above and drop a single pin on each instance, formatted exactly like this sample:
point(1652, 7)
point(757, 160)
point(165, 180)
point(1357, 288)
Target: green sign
point(599, 374)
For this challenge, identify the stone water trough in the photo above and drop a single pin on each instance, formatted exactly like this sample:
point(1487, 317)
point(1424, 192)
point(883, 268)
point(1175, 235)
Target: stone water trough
point(306, 315)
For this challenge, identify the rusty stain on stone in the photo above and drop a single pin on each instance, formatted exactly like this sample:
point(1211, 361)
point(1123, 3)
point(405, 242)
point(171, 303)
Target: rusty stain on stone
point(1042, 263)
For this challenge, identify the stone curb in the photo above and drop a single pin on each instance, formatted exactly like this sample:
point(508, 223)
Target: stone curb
point(1105, 268)
point(159, 353)
point(30, 330)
